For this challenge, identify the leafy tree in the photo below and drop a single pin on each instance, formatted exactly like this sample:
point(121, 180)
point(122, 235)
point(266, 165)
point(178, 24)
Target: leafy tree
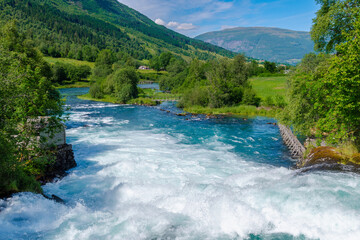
point(96, 91)
point(103, 64)
point(123, 84)
point(342, 121)
point(332, 19)
point(307, 104)
point(26, 92)
point(270, 66)
point(155, 63)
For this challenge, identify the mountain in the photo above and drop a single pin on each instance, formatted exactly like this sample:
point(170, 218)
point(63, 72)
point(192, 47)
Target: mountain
point(272, 44)
point(79, 28)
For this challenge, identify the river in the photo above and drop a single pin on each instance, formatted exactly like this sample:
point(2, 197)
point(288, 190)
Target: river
point(144, 173)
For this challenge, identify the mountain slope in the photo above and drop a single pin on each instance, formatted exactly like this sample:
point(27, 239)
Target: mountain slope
point(273, 44)
point(64, 28)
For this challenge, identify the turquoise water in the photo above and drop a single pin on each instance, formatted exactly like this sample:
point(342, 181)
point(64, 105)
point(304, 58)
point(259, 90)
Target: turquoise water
point(144, 173)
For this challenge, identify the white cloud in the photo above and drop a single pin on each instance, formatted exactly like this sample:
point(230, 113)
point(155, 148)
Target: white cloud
point(160, 21)
point(186, 26)
point(176, 25)
point(173, 24)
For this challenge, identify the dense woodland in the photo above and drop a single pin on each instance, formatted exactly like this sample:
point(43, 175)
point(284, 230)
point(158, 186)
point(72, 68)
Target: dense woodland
point(67, 29)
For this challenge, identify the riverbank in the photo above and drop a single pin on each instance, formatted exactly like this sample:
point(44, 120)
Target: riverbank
point(78, 84)
point(110, 99)
point(241, 110)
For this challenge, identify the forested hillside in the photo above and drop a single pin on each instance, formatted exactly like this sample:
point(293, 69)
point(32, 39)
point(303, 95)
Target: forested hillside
point(80, 29)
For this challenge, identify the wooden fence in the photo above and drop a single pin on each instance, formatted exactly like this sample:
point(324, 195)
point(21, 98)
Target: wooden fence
point(297, 150)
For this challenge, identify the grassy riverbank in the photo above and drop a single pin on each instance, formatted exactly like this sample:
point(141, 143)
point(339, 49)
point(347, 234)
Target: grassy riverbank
point(149, 97)
point(241, 110)
point(77, 84)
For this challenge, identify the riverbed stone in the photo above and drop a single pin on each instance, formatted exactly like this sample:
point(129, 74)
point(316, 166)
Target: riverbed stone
point(64, 161)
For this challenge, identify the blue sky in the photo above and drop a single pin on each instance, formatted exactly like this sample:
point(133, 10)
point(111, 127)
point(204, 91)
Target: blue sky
point(193, 17)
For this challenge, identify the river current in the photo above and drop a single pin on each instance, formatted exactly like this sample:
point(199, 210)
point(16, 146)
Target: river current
point(144, 173)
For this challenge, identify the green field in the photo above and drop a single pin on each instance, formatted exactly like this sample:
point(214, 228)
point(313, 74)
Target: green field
point(269, 86)
point(78, 84)
point(241, 110)
point(52, 60)
point(153, 94)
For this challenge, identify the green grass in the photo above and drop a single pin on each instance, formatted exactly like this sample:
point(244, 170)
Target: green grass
point(52, 60)
point(153, 94)
point(79, 84)
point(269, 86)
point(151, 71)
point(241, 110)
point(107, 98)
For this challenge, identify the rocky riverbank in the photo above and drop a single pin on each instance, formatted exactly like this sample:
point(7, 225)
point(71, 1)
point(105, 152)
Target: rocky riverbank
point(330, 158)
point(64, 161)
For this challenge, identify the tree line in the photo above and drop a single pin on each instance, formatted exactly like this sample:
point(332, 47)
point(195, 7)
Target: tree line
point(26, 92)
point(324, 90)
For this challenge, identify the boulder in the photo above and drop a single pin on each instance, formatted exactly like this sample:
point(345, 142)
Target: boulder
point(64, 161)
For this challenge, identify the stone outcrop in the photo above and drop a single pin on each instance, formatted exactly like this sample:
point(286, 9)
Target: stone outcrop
point(64, 161)
point(330, 158)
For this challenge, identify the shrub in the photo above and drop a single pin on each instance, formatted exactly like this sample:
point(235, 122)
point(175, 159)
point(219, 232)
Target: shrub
point(96, 91)
point(250, 98)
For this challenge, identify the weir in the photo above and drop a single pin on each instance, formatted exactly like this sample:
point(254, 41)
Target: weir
point(297, 150)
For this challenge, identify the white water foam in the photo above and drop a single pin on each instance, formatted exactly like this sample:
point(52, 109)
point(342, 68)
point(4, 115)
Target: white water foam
point(147, 185)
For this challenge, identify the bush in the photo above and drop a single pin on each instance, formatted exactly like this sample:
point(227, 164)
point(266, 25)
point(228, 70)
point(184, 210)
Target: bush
point(269, 102)
point(250, 98)
point(96, 91)
point(195, 97)
point(125, 93)
point(280, 101)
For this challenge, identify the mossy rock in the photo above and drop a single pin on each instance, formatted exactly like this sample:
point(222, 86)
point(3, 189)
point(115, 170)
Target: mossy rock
point(355, 159)
point(322, 155)
point(330, 158)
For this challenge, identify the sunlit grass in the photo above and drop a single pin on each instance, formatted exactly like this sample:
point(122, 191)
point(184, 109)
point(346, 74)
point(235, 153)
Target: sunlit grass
point(52, 60)
point(241, 110)
point(269, 86)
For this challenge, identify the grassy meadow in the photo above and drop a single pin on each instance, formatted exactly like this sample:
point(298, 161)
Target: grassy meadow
point(269, 86)
point(52, 60)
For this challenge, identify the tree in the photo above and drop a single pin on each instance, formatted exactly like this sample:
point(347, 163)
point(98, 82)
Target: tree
point(342, 121)
point(103, 64)
point(307, 104)
point(270, 66)
point(333, 18)
point(123, 84)
point(26, 92)
point(155, 63)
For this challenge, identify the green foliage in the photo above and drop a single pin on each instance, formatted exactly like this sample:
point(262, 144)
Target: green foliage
point(270, 66)
point(80, 29)
point(96, 91)
point(68, 72)
point(103, 64)
point(123, 84)
point(215, 84)
point(307, 94)
point(325, 90)
point(254, 69)
point(342, 120)
point(250, 98)
point(333, 19)
point(26, 92)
